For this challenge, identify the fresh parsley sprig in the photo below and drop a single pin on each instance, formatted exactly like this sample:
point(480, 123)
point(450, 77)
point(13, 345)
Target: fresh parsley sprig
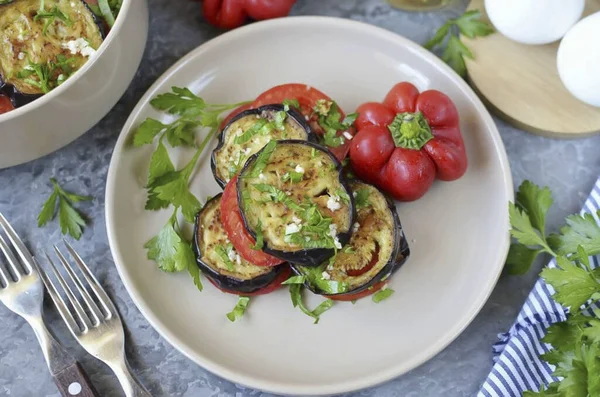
point(575, 343)
point(167, 186)
point(528, 223)
point(71, 221)
point(470, 25)
point(330, 120)
point(49, 16)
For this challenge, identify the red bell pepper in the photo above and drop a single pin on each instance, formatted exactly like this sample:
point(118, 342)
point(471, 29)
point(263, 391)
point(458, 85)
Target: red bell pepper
point(229, 14)
point(406, 142)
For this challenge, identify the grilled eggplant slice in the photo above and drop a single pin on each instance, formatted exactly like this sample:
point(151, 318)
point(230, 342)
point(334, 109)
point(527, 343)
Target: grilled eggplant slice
point(40, 48)
point(218, 260)
point(250, 131)
point(376, 249)
point(294, 197)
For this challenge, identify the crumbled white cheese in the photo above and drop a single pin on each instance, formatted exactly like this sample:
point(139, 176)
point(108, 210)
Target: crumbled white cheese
point(326, 276)
point(239, 132)
point(79, 46)
point(333, 233)
point(234, 256)
point(385, 286)
point(306, 118)
point(72, 4)
point(355, 227)
point(307, 239)
point(333, 230)
point(333, 203)
point(348, 135)
point(20, 37)
point(261, 176)
point(319, 163)
point(330, 267)
point(354, 194)
point(61, 77)
point(28, 67)
point(295, 219)
point(299, 169)
point(288, 193)
point(292, 228)
point(21, 55)
point(247, 151)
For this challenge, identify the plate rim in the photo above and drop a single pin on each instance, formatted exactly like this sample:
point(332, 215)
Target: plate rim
point(284, 387)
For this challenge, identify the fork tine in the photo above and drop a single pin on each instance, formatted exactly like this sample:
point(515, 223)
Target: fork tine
point(4, 277)
point(93, 308)
point(62, 308)
point(103, 298)
point(85, 320)
point(10, 259)
point(23, 252)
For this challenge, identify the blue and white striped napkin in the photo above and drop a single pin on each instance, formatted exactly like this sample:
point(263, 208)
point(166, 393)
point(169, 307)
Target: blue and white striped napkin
point(517, 364)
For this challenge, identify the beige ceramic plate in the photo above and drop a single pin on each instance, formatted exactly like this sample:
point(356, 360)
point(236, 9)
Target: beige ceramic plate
point(457, 232)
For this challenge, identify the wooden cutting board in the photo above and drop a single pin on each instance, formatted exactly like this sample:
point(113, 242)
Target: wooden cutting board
point(520, 83)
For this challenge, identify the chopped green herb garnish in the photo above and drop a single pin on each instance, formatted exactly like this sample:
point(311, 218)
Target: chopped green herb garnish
point(296, 295)
point(343, 195)
point(50, 16)
point(278, 196)
point(313, 153)
point(294, 280)
point(259, 237)
point(315, 277)
point(361, 198)
point(330, 120)
point(252, 131)
point(239, 309)
point(70, 219)
point(382, 295)
point(279, 120)
point(224, 252)
point(349, 250)
point(263, 158)
point(293, 177)
point(290, 103)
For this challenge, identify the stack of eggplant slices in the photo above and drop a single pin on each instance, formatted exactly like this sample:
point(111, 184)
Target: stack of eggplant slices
point(293, 214)
point(44, 42)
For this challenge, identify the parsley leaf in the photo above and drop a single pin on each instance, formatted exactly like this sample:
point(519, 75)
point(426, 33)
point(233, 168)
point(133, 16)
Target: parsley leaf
point(520, 258)
point(297, 301)
point(261, 126)
point(294, 280)
point(330, 121)
point(536, 202)
point(170, 250)
point(468, 24)
point(523, 230)
point(239, 309)
point(223, 252)
point(50, 17)
point(263, 158)
point(259, 237)
point(382, 295)
point(290, 103)
point(70, 220)
point(361, 198)
point(581, 230)
point(574, 286)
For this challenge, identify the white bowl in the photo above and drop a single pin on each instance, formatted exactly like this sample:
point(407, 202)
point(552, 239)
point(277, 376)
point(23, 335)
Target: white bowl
point(458, 232)
point(65, 113)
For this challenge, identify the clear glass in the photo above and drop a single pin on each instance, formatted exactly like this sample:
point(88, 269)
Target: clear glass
point(419, 5)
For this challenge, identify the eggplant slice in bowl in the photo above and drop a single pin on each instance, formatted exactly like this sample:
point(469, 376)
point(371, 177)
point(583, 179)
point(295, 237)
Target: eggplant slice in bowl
point(294, 195)
point(376, 249)
point(250, 131)
point(41, 47)
point(218, 260)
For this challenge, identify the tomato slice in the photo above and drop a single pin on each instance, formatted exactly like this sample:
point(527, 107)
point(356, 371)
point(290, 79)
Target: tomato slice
point(234, 113)
point(307, 98)
point(5, 104)
point(274, 286)
point(236, 231)
point(360, 272)
point(358, 295)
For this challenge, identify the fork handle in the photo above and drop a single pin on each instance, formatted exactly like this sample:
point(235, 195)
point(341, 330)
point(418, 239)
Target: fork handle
point(72, 381)
point(68, 375)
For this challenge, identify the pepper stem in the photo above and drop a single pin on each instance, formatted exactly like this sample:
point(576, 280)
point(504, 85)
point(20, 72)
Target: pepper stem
point(410, 130)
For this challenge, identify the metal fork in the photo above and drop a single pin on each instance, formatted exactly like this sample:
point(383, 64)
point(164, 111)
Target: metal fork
point(22, 292)
point(100, 330)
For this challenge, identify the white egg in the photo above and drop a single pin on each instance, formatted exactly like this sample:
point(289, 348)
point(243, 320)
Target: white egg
point(578, 60)
point(534, 21)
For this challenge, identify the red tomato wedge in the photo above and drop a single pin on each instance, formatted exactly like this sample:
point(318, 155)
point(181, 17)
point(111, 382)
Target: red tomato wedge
point(307, 97)
point(274, 286)
point(238, 235)
point(5, 104)
point(358, 295)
